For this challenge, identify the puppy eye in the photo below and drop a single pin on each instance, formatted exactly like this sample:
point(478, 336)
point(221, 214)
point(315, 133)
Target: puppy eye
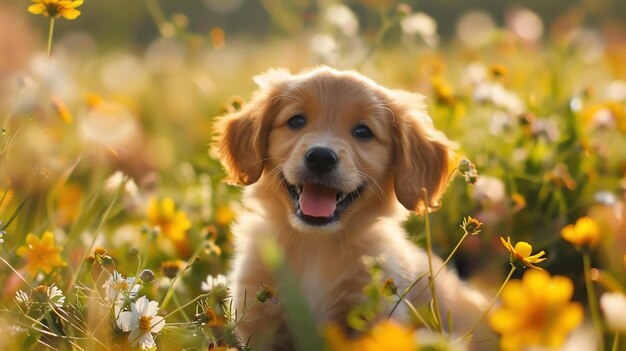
point(296, 122)
point(363, 132)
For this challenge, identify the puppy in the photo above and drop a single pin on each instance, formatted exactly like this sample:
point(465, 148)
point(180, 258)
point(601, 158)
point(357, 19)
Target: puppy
point(332, 164)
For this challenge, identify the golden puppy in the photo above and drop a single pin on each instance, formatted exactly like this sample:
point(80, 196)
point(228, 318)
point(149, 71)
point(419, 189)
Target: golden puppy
point(333, 163)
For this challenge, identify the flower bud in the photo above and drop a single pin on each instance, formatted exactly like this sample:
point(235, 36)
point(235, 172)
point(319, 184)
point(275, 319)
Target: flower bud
point(146, 275)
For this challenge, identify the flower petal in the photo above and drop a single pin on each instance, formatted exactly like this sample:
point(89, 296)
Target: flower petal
point(536, 284)
point(32, 240)
point(134, 336)
point(513, 294)
point(569, 234)
point(47, 239)
point(36, 9)
point(22, 251)
point(141, 305)
point(70, 14)
point(523, 248)
point(150, 309)
point(158, 323)
point(127, 321)
point(146, 341)
point(504, 321)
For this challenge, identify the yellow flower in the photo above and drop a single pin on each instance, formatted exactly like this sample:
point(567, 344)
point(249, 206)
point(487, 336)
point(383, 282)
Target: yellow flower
point(606, 114)
point(6, 195)
point(62, 110)
point(41, 253)
point(536, 311)
point(471, 226)
point(498, 70)
point(585, 233)
point(171, 268)
point(386, 335)
point(443, 91)
point(224, 215)
point(164, 216)
point(519, 202)
point(69, 203)
point(56, 8)
point(521, 254)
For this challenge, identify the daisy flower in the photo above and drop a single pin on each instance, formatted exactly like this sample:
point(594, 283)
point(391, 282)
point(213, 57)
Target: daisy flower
point(118, 289)
point(141, 321)
point(48, 294)
point(56, 8)
point(613, 305)
point(521, 254)
point(218, 282)
point(22, 298)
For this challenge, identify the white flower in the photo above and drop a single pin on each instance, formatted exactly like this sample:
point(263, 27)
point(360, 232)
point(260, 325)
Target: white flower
point(113, 183)
point(55, 296)
point(616, 91)
point(325, 46)
point(497, 95)
point(489, 190)
point(141, 321)
point(22, 297)
point(42, 294)
point(474, 74)
point(214, 282)
point(613, 306)
point(343, 18)
point(603, 118)
point(419, 23)
point(118, 289)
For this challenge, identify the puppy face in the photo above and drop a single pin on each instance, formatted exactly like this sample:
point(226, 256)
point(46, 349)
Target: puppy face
point(328, 145)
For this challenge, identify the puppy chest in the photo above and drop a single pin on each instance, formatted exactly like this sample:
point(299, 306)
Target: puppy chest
point(332, 292)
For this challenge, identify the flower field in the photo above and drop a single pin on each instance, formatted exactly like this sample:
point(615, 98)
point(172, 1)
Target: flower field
point(115, 221)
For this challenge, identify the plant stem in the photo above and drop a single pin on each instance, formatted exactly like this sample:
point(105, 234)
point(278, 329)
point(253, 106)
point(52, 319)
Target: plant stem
point(50, 31)
point(446, 261)
point(157, 14)
point(591, 297)
point(431, 276)
point(471, 331)
point(387, 24)
point(171, 288)
point(615, 342)
point(405, 293)
point(16, 272)
point(188, 303)
point(423, 275)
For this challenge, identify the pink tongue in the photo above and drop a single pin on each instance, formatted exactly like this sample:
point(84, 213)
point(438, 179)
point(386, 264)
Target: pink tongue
point(318, 200)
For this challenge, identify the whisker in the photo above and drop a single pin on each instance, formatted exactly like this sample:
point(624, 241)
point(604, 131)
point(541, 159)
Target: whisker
point(378, 190)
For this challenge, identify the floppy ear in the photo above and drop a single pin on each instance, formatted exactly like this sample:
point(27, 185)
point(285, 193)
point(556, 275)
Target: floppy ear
point(422, 154)
point(241, 137)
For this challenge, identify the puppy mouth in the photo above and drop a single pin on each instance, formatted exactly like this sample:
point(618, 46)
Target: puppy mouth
point(320, 204)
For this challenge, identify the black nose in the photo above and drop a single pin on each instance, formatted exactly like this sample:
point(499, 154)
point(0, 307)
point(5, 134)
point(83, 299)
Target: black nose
point(321, 160)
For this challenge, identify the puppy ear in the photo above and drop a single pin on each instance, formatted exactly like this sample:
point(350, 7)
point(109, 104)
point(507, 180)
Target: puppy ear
point(238, 144)
point(241, 137)
point(422, 154)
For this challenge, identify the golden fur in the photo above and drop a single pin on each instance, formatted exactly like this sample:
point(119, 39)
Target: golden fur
point(405, 157)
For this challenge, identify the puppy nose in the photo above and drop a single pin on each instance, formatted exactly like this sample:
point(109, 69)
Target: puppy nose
point(321, 160)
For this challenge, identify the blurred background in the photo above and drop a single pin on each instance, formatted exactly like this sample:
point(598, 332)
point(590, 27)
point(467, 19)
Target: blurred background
point(534, 93)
